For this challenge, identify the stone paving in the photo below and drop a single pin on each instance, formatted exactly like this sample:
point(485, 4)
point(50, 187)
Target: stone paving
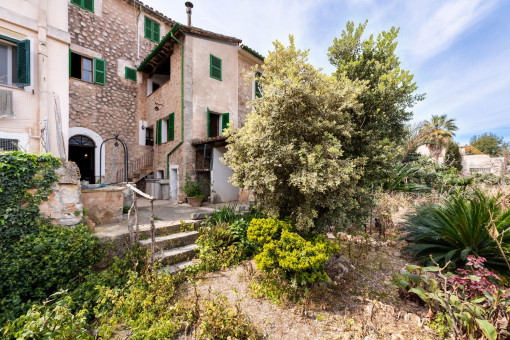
point(165, 212)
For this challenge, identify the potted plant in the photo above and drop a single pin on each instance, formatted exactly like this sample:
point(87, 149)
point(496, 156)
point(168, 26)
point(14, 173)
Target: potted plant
point(193, 191)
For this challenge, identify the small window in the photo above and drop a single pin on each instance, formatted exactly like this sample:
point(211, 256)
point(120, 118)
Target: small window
point(149, 136)
point(151, 30)
point(85, 4)
point(216, 123)
point(258, 88)
point(14, 62)
point(87, 69)
point(130, 73)
point(8, 144)
point(215, 71)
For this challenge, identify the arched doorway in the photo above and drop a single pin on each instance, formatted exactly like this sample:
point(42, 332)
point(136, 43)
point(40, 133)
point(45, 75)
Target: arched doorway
point(82, 152)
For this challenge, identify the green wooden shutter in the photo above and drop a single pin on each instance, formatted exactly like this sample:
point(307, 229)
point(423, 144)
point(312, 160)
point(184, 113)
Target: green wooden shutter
point(155, 31)
point(88, 5)
point(215, 71)
point(99, 71)
point(151, 29)
point(147, 28)
point(208, 123)
point(224, 121)
point(130, 73)
point(23, 60)
point(171, 126)
point(158, 131)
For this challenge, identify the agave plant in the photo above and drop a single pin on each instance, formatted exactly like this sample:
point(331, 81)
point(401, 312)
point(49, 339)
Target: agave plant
point(458, 228)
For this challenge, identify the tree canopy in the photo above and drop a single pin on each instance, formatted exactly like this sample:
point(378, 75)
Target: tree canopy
point(488, 143)
point(316, 146)
point(438, 132)
point(452, 157)
point(389, 94)
point(290, 152)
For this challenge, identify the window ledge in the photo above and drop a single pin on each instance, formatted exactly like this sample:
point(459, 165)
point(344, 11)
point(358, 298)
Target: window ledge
point(13, 87)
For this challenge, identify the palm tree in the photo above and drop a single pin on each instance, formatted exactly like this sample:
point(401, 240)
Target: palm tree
point(414, 138)
point(438, 132)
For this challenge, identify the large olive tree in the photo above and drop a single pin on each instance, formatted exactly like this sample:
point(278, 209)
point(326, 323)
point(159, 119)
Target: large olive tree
point(290, 152)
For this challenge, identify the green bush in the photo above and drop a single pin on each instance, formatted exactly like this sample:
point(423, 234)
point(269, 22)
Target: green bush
point(41, 263)
point(216, 248)
point(487, 179)
point(281, 250)
point(25, 181)
point(51, 320)
point(457, 228)
point(265, 230)
point(219, 320)
point(300, 261)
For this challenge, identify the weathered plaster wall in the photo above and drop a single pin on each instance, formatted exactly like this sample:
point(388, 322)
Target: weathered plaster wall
point(221, 189)
point(246, 87)
point(481, 161)
point(218, 96)
point(21, 20)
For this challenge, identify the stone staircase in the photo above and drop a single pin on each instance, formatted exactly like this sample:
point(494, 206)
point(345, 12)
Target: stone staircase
point(173, 248)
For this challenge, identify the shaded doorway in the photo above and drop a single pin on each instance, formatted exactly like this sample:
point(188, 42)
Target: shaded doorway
point(82, 152)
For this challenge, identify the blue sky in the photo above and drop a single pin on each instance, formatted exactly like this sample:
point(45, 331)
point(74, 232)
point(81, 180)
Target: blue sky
point(458, 50)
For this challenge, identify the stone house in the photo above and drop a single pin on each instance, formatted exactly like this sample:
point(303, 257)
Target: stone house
point(167, 89)
point(473, 160)
point(34, 107)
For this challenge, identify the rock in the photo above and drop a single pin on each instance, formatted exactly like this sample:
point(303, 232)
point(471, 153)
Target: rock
point(337, 266)
point(199, 216)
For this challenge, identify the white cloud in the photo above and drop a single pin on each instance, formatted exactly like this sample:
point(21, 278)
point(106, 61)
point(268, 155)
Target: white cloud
point(448, 22)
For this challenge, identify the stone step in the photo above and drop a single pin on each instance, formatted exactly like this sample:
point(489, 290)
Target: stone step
point(171, 240)
point(119, 235)
point(176, 255)
point(175, 268)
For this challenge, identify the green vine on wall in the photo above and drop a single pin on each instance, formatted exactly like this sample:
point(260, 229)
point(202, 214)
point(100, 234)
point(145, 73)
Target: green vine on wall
point(25, 181)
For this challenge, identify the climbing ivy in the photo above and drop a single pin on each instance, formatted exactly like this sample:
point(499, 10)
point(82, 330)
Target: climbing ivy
point(25, 181)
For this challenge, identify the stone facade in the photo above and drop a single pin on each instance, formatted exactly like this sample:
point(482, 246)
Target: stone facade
point(120, 105)
point(114, 33)
point(64, 204)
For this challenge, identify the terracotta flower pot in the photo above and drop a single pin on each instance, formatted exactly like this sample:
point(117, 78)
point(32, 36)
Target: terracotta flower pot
point(195, 201)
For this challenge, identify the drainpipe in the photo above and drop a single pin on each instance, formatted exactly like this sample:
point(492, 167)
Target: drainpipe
point(174, 29)
point(42, 55)
point(138, 38)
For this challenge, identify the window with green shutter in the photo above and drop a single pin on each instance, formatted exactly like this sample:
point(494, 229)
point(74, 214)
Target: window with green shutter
point(14, 62)
point(215, 71)
point(99, 71)
point(158, 131)
point(85, 4)
point(258, 89)
point(151, 29)
point(130, 73)
point(224, 121)
point(171, 128)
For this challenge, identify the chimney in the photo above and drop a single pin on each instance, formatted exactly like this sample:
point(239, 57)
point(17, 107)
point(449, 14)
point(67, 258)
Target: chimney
point(189, 6)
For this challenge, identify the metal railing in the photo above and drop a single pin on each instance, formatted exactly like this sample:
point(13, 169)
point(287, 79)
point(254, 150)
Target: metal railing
point(137, 167)
point(134, 234)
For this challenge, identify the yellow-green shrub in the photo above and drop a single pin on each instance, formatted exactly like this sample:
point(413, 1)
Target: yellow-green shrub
point(264, 230)
point(299, 260)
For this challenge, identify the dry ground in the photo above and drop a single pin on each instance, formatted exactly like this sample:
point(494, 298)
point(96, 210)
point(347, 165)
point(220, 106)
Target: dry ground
point(362, 305)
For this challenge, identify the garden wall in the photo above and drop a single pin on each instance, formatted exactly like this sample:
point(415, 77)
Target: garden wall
point(64, 203)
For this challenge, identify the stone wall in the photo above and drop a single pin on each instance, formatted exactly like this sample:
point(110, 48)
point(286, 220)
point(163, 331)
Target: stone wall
point(64, 203)
point(111, 33)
